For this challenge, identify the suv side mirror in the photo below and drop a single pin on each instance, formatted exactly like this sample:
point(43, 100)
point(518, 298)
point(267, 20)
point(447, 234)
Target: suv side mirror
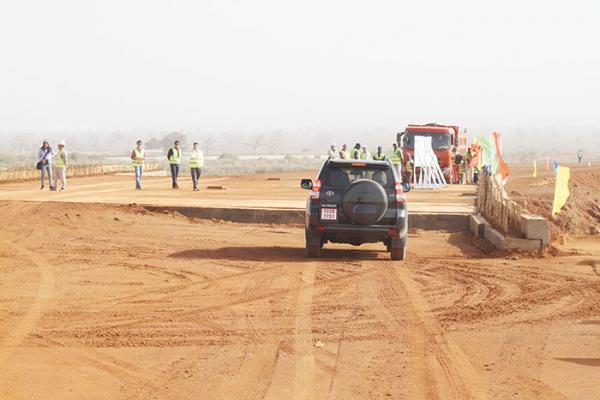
point(306, 184)
point(405, 187)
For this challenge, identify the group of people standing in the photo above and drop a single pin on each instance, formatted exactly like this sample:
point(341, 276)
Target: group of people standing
point(360, 152)
point(196, 162)
point(53, 164)
point(47, 159)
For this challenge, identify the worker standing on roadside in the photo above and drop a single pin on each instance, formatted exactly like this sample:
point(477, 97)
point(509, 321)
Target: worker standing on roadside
point(397, 158)
point(468, 166)
point(579, 156)
point(332, 154)
point(45, 155)
point(380, 155)
point(174, 157)
point(456, 166)
point(60, 164)
point(364, 154)
point(196, 163)
point(410, 166)
point(344, 155)
point(137, 162)
point(355, 153)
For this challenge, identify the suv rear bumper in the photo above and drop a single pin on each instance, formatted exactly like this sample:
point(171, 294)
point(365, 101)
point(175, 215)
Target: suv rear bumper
point(357, 234)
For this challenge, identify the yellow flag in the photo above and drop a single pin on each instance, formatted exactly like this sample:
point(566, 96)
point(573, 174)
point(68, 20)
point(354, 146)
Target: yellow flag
point(534, 169)
point(561, 190)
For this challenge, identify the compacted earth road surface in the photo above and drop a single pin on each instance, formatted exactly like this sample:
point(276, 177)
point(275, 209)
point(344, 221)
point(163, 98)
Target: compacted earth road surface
point(114, 302)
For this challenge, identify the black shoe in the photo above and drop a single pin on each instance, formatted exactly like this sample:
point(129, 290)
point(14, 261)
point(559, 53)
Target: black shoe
point(42, 188)
point(175, 186)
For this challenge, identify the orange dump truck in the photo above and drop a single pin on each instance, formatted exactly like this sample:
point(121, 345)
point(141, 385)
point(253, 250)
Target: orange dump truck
point(443, 139)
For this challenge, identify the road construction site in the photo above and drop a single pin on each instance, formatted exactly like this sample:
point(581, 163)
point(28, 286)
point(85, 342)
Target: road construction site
point(108, 292)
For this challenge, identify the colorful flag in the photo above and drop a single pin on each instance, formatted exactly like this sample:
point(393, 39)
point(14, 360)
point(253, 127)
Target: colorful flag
point(488, 153)
point(561, 189)
point(503, 167)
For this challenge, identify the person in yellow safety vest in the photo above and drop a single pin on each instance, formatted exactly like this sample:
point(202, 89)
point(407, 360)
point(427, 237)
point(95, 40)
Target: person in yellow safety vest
point(364, 154)
point(344, 154)
point(380, 155)
point(332, 154)
point(174, 157)
point(196, 163)
point(60, 164)
point(397, 158)
point(409, 168)
point(355, 152)
point(137, 161)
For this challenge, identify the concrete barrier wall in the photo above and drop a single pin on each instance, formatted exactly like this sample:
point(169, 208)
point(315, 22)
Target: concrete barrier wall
point(424, 221)
point(513, 226)
point(22, 174)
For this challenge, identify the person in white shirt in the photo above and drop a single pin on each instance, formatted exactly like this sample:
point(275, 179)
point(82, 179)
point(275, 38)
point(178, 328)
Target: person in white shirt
point(196, 163)
point(332, 155)
point(45, 155)
point(364, 154)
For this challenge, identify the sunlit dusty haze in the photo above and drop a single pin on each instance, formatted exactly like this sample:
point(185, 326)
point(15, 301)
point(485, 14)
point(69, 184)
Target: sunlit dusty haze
point(340, 67)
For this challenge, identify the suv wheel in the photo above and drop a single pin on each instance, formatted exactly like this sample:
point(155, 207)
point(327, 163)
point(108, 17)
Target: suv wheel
point(398, 253)
point(313, 251)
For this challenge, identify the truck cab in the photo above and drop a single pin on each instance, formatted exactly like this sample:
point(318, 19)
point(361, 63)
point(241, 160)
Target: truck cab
point(443, 139)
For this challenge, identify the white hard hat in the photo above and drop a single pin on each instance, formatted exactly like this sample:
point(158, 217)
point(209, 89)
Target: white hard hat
point(332, 144)
point(62, 143)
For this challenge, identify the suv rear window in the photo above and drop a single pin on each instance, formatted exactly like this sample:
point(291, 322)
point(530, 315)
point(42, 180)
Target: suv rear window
point(343, 176)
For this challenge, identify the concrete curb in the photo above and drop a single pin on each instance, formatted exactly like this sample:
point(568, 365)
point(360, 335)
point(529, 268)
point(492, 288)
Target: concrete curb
point(482, 229)
point(424, 221)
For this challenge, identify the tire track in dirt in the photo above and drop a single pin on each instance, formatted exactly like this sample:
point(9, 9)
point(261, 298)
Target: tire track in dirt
point(253, 375)
point(459, 380)
point(303, 346)
point(45, 290)
point(390, 310)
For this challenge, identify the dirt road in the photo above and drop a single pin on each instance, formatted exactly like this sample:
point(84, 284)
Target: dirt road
point(276, 191)
point(114, 302)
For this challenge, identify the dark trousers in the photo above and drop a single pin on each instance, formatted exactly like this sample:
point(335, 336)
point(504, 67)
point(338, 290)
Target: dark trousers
point(174, 173)
point(195, 176)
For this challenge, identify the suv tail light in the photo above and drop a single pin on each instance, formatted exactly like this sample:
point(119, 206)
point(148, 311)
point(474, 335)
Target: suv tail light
point(314, 193)
point(400, 195)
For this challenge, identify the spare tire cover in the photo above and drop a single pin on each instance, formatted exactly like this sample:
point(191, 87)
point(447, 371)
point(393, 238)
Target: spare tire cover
point(364, 202)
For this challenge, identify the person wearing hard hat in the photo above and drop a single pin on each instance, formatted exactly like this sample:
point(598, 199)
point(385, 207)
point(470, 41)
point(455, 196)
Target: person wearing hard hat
point(332, 154)
point(137, 161)
point(196, 163)
point(60, 165)
point(397, 158)
point(44, 164)
point(174, 157)
point(380, 155)
point(364, 153)
point(344, 154)
point(355, 152)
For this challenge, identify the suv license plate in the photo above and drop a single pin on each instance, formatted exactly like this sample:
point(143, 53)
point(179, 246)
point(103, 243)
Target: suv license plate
point(329, 214)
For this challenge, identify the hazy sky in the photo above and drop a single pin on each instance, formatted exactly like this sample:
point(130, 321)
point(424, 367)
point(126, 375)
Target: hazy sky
point(160, 65)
